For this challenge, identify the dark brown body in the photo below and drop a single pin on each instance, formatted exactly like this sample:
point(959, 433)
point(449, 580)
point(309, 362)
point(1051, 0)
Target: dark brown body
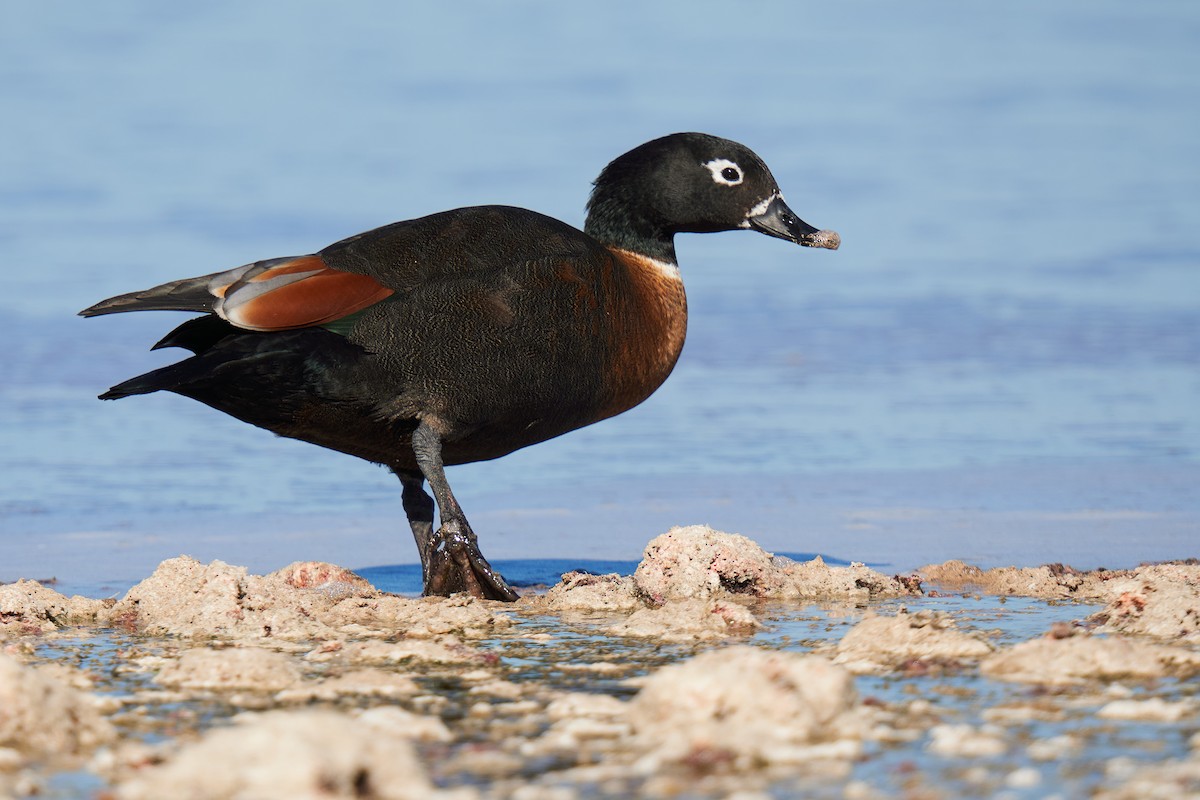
point(497, 347)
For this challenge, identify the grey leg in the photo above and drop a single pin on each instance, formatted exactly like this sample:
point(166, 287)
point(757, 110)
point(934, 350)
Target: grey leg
point(453, 561)
point(418, 505)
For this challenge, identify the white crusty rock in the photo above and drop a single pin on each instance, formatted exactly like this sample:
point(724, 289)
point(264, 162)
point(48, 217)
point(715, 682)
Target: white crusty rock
point(1160, 600)
point(446, 650)
point(755, 706)
point(1169, 780)
point(28, 607)
point(291, 754)
point(921, 640)
point(1053, 661)
point(857, 583)
point(253, 668)
point(186, 598)
point(582, 591)
point(965, 741)
point(41, 717)
point(1157, 599)
point(363, 682)
point(1049, 581)
point(698, 562)
point(306, 600)
point(689, 620)
point(1153, 709)
point(418, 617)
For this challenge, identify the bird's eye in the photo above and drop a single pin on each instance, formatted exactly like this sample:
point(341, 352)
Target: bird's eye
point(725, 172)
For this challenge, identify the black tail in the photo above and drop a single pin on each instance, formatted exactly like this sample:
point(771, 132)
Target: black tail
point(198, 334)
point(189, 294)
point(168, 378)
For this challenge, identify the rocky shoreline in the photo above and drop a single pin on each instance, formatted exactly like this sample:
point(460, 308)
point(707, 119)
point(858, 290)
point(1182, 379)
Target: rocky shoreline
point(309, 682)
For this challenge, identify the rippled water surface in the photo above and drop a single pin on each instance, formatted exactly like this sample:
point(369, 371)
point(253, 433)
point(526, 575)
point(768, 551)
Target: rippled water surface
point(1012, 326)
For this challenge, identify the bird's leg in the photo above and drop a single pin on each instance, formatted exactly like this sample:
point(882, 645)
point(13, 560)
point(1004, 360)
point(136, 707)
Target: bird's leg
point(451, 562)
point(418, 506)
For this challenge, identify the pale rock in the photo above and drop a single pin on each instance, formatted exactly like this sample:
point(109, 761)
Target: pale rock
point(28, 607)
point(883, 643)
point(965, 741)
point(41, 717)
point(1057, 662)
point(286, 755)
point(1154, 709)
point(758, 706)
point(252, 668)
point(689, 620)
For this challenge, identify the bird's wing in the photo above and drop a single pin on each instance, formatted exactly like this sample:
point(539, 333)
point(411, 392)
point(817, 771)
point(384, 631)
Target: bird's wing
point(478, 242)
point(282, 294)
point(274, 295)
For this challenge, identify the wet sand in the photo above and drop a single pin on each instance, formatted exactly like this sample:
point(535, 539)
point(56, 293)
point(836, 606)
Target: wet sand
point(714, 670)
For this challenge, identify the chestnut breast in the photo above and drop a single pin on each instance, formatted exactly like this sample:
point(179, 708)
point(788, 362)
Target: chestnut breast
point(644, 331)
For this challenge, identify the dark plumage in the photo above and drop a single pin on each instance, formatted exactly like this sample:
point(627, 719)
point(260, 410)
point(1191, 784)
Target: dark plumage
point(465, 335)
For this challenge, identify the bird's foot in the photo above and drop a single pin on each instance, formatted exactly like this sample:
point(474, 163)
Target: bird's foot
point(455, 564)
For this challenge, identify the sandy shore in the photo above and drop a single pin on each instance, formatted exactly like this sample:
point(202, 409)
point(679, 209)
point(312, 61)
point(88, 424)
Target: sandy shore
point(715, 670)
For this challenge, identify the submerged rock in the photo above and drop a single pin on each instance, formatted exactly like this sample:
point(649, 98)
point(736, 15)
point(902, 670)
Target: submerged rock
point(361, 682)
point(582, 591)
point(420, 617)
point(1154, 709)
point(746, 707)
point(965, 741)
point(914, 642)
point(1054, 661)
point(689, 620)
point(1156, 599)
point(292, 754)
point(252, 668)
point(1127, 779)
point(583, 724)
point(42, 717)
point(446, 650)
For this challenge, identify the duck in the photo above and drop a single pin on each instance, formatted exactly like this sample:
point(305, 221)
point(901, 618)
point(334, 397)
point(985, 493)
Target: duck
point(465, 335)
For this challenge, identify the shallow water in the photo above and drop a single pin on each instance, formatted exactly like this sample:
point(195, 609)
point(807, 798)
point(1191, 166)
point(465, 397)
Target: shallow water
point(541, 652)
point(999, 364)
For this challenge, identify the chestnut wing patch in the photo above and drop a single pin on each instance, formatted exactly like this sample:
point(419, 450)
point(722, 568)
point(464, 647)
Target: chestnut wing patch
point(286, 293)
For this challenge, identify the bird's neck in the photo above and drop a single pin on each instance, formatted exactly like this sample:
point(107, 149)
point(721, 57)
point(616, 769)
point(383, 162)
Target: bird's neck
point(619, 225)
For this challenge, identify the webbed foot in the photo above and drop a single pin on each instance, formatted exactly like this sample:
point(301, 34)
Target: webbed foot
point(455, 564)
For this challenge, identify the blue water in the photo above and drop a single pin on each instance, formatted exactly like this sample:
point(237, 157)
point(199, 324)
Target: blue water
point(534, 573)
point(1018, 293)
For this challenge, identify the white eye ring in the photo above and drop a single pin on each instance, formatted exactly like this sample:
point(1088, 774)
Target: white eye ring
point(725, 172)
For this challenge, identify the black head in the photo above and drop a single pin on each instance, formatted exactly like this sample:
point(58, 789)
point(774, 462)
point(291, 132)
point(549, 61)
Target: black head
point(691, 183)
